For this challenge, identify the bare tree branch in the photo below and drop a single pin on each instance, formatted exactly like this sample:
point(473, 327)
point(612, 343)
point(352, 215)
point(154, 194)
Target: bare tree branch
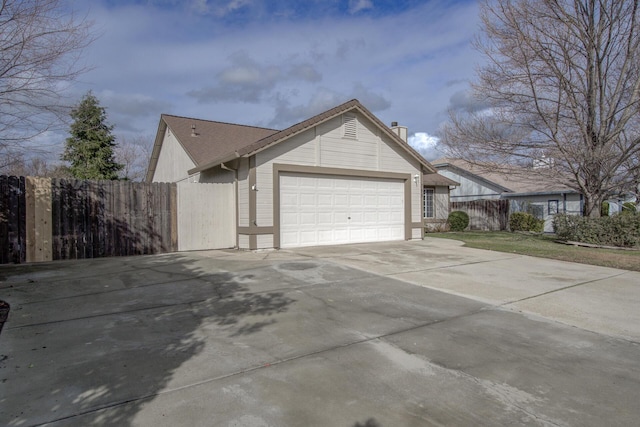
point(40, 48)
point(563, 80)
point(134, 154)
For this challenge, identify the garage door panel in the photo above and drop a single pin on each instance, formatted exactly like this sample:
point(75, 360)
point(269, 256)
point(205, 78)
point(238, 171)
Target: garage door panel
point(340, 184)
point(308, 219)
point(290, 218)
point(321, 210)
point(372, 218)
point(325, 199)
point(356, 201)
point(308, 199)
point(357, 217)
point(340, 199)
point(325, 218)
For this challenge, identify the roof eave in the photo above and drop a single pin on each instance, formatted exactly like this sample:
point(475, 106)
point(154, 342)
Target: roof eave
point(155, 153)
point(540, 193)
point(214, 163)
point(463, 171)
point(292, 131)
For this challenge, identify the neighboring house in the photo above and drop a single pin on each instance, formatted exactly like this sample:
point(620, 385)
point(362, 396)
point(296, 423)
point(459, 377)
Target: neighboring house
point(616, 202)
point(339, 177)
point(525, 191)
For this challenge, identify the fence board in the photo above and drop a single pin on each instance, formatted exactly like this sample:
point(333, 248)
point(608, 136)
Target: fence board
point(490, 215)
point(13, 221)
point(73, 219)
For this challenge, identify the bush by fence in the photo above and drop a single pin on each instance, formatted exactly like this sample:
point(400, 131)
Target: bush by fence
point(490, 215)
point(522, 221)
point(458, 221)
point(617, 230)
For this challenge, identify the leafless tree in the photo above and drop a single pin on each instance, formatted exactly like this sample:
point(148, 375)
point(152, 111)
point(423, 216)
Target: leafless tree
point(134, 154)
point(36, 166)
point(40, 47)
point(562, 80)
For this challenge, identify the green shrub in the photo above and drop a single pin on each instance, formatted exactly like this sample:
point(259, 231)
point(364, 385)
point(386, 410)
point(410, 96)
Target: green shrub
point(629, 208)
point(618, 230)
point(458, 220)
point(522, 221)
point(604, 209)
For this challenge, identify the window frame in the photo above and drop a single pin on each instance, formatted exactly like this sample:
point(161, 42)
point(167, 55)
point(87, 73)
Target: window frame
point(432, 200)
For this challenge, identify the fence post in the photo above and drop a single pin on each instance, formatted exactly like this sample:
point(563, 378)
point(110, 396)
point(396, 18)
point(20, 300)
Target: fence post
point(39, 231)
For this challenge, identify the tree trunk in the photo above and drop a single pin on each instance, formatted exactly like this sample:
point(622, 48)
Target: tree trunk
point(592, 204)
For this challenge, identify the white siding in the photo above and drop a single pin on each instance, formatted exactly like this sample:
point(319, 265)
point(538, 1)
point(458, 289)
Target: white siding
point(206, 216)
point(572, 205)
point(325, 146)
point(173, 162)
point(441, 202)
point(393, 159)
point(339, 152)
point(299, 150)
point(469, 189)
point(243, 193)
point(265, 241)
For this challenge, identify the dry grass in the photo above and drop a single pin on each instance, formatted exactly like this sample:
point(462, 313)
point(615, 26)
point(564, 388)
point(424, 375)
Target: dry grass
point(544, 246)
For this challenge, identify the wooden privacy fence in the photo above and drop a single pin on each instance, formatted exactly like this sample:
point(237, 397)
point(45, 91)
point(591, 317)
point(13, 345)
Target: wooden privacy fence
point(492, 215)
point(44, 219)
point(12, 219)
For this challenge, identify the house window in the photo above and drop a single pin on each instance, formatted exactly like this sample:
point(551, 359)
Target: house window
point(429, 210)
point(349, 126)
point(553, 207)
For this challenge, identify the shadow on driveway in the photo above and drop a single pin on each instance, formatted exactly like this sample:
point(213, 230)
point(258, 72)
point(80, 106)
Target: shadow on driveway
point(119, 329)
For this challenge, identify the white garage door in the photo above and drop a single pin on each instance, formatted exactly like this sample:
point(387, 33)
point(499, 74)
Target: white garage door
point(328, 210)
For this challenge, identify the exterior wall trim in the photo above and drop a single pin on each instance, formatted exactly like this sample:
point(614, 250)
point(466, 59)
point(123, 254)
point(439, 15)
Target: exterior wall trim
point(355, 173)
point(253, 230)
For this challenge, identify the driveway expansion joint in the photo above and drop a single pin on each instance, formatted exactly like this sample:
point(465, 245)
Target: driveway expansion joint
point(564, 288)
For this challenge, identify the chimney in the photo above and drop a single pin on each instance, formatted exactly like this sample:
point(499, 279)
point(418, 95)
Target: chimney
point(401, 131)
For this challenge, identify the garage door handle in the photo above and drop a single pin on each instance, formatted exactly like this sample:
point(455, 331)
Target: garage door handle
point(348, 217)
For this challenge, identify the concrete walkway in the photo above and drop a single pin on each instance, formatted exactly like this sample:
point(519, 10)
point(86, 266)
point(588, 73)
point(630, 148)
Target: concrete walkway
point(335, 336)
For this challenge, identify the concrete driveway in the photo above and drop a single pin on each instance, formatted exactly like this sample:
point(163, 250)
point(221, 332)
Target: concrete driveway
point(390, 334)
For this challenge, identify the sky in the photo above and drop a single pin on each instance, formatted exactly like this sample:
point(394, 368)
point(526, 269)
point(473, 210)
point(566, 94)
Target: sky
point(274, 63)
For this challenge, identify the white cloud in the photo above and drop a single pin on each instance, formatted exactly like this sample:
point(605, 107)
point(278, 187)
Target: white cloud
point(322, 100)
point(356, 6)
point(423, 141)
point(405, 67)
point(425, 144)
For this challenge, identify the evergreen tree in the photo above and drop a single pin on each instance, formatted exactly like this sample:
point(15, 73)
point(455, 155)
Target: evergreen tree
point(90, 148)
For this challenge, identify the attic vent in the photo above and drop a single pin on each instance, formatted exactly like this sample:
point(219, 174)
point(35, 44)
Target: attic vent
point(349, 127)
point(193, 130)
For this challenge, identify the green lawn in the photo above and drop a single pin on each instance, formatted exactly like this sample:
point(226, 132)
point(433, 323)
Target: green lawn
point(544, 246)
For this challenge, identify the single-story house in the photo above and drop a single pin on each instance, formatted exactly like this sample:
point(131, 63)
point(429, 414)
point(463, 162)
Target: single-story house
point(341, 176)
point(525, 190)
